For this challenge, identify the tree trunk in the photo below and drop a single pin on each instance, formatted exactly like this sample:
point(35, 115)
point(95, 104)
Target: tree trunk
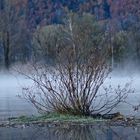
point(7, 50)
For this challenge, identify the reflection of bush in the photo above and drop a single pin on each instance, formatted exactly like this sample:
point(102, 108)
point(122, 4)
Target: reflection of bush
point(79, 132)
point(71, 132)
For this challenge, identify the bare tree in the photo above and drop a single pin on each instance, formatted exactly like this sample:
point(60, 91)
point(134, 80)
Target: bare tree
point(75, 83)
point(13, 33)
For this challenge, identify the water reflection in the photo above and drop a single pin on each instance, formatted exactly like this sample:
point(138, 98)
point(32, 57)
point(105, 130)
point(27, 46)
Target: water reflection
point(70, 132)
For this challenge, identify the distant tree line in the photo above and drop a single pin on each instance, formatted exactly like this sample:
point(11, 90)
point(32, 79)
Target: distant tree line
point(15, 39)
point(24, 31)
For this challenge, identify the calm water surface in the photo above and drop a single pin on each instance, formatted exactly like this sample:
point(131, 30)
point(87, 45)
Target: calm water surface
point(71, 133)
point(10, 104)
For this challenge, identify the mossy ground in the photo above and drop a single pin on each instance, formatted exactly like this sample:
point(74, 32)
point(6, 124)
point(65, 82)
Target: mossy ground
point(54, 117)
point(66, 119)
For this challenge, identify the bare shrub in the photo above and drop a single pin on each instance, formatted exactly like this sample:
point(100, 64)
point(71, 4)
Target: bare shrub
point(74, 84)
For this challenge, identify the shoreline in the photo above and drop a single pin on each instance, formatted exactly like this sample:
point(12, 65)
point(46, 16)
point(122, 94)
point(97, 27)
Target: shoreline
point(66, 120)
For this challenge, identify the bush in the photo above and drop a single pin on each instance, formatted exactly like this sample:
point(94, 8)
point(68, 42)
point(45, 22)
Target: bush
point(73, 85)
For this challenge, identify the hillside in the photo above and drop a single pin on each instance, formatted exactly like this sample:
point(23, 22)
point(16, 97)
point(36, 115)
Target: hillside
point(51, 11)
point(42, 12)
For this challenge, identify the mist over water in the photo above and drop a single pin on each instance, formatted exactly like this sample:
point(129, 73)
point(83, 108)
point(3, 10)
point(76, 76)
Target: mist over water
point(10, 104)
point(122, 77)
point(11, 86)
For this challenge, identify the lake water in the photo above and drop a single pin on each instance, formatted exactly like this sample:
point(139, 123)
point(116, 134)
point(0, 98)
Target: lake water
point(11, 86)
point(71, 132)
point(10, 104)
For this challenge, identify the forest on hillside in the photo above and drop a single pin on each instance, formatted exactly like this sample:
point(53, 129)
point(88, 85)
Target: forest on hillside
point(22, 24)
